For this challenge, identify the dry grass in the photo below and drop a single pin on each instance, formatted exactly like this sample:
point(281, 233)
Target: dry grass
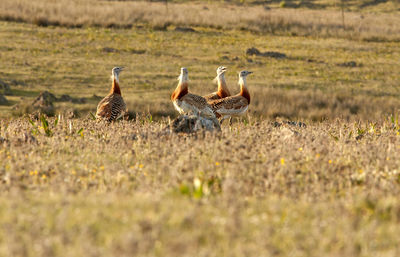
point(330, 189)
point(74, 187)
point(368, 26)
point(319, 105)
point(311, 83)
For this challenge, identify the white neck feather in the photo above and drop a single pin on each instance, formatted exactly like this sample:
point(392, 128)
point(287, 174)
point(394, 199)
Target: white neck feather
point(183, 78)
point(115, 76)
point(242, 81)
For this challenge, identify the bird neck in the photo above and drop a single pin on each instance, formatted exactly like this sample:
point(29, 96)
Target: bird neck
point(223, 90)
point(180, 91)
point(243, 88)
point(182, 88)
point(115, 89)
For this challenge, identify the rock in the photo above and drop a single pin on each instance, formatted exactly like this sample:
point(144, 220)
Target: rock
point(272, 54)
point(253, 51)
point(5, 88)
point(184, 29)
point(3, 100)
point(276, 55)
point(194, 123)
point(43, 103)
point(109, 50)
point(350, 64)
point(45, 99)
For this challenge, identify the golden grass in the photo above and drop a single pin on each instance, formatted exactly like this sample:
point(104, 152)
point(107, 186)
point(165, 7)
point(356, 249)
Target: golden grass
point(80, 188)
point(330, 189)
point(369, 26)
point(310, 84)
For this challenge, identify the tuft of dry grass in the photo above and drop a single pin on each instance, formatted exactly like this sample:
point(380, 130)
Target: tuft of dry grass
point(368, 26)
point(74, 187)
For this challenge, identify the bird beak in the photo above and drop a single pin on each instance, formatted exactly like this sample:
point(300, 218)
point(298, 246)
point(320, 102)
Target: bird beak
point(250, 72)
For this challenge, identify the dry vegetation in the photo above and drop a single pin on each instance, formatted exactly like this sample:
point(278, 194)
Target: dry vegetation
point(368, 26)
point(82, 188)
point(74, 187)
point(314, 82)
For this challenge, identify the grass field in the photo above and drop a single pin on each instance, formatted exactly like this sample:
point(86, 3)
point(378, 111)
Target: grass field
point(330, 189)
point(310, 83)
point(81, 188)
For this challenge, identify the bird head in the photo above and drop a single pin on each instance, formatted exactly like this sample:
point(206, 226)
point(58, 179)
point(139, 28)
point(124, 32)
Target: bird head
point(244, 73)
point(221, 70)
point(116, 70)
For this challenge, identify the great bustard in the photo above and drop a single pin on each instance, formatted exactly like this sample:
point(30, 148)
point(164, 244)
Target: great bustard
point(233, 106)
point(112, 106)
point(185, 102)
point(223, 90)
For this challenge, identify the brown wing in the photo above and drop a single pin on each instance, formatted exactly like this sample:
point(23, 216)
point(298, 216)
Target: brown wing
point(104, 108)
point(111, 107)
point(231, 102)
point(211, 97)
point(197, 101)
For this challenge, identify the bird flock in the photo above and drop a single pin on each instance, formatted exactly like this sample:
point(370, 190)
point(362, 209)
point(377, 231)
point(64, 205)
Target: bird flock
point(220, 104)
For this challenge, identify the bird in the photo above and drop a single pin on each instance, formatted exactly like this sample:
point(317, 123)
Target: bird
point(223, 90)
point(233, 106)
point(112, 106)
point(185, 102)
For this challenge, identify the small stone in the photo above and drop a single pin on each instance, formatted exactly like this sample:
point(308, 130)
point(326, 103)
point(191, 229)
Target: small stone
point(272, 54)
point(109, 50)
point(44, 103)
point(276, 55)
point(350, 64)
point(253, 51)
point(45, 99)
